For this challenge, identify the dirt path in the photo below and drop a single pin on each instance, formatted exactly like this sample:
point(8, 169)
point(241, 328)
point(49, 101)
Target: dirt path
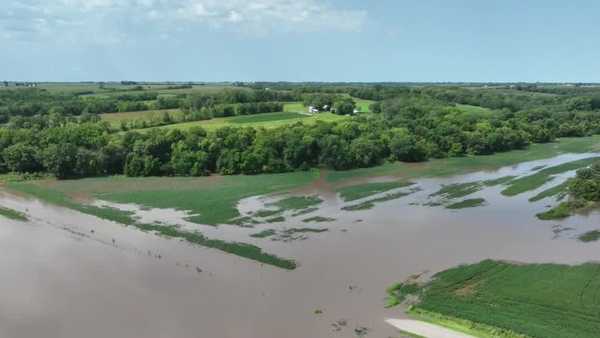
point(425, 329)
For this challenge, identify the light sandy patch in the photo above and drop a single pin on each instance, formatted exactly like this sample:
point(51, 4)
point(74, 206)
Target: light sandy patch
point(425, 329)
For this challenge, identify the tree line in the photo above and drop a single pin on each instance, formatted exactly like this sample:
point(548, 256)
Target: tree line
point(412, 126)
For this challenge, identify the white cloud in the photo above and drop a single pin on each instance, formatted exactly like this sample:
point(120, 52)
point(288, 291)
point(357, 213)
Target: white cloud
point(122, 18)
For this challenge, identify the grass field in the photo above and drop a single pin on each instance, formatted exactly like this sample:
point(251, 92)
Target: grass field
point(538, 300)
point(355, 192)
point(461, 165)
point(115, 119)
point(475, 110)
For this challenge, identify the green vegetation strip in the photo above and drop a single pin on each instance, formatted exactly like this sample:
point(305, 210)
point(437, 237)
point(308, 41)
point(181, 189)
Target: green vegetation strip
point(241, 249)
point(590, 236)
point(537, 300)
point(286, 233)
point(498, 181)
point(397, 293)
point(563, 210)
point(543, 176)
point(458, 190)
point(356, 192)
point(371, 203)
point(318, 219)
point(468, 203)
point(12, 214)
point(264, 233)
point(559, 190)
point(297, 202)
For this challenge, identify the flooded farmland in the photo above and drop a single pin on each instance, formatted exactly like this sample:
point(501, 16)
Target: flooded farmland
point(68, 274)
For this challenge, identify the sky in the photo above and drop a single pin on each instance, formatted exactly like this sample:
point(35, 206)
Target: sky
point(300, 40)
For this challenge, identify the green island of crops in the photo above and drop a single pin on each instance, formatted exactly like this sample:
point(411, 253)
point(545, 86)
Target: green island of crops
point(501, 299)
point(468, 203)
point(564, 210)
point(534, 181)
point(12, 214)
point(355, 192)
point(458, 190)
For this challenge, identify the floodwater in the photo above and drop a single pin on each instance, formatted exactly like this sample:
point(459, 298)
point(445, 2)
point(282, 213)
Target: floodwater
point(66, 274)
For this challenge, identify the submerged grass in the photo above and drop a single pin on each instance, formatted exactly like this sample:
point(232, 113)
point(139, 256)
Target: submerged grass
point(560, 190)
point(534, 181)
point(371, 203)
point(241, 249)
point(562, 210)
point(266, 213)
point(457, 190)
point(318, 219)
point(264, 233)
point(13, 214)
point(277, 219)
point(297, 202)
point(468, 203)
point(507, 300)
point(498, 181)
point(358, 207)
point(213, 200)
point(359, 191)
point(590, 236)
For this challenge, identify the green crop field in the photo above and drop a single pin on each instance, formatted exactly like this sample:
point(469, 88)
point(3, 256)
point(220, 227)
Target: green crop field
point(468, 203)
point(537, 300)
point(115, 119)
point(267, 120)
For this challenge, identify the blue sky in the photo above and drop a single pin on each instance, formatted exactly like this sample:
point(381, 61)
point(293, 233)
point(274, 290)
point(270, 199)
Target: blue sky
point(300, 40)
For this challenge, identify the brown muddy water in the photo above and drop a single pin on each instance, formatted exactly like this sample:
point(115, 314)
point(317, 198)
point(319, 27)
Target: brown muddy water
point(66, 274)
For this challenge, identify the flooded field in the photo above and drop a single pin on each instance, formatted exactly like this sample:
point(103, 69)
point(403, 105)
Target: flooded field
point(68, 274)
